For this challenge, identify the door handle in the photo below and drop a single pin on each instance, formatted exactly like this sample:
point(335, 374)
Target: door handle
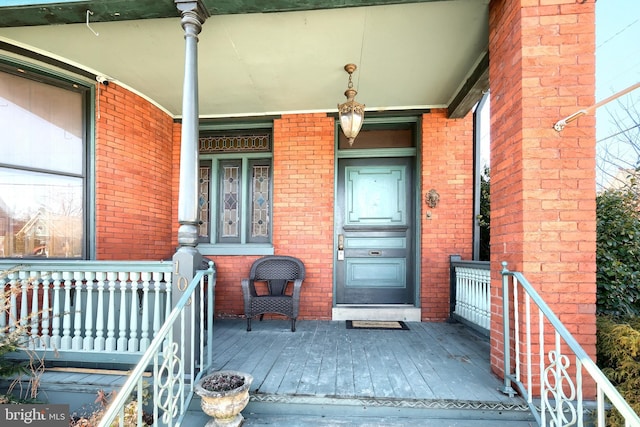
point(340, 242)
point(375, 253)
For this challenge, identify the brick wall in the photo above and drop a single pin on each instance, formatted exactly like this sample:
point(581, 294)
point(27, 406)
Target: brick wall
point(447, 167)
point(543, 182)
point(175, 182)
point(138, 158)
point(134, 146)
point(303, 174)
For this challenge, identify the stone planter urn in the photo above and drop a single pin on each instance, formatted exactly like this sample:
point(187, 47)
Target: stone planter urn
point(223, 395)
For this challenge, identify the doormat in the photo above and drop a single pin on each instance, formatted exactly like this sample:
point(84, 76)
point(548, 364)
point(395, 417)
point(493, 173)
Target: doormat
point(376, 324)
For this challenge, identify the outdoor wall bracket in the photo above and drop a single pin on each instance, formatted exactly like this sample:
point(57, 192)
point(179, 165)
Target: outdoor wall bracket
point(432, 198)
point(560, 124)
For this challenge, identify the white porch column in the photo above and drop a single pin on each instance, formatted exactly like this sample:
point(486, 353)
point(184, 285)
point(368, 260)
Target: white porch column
point(187, 258)
point(193, 16)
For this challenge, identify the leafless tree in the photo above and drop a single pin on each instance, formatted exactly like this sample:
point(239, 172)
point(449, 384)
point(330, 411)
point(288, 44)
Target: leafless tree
point(618, 154)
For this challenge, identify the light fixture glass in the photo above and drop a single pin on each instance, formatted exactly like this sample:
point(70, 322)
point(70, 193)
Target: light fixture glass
point(351, 113)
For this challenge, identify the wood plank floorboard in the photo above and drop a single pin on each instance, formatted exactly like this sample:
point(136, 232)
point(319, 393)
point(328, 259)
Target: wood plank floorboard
point(467, 354)
point(325, 359)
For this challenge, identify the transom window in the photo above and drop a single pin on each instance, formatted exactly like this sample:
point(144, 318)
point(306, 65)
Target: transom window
point(235, 188)
point(42, 167)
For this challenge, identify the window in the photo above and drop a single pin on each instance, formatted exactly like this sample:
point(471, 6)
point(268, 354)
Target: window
point(42, 167)
point(235, 188)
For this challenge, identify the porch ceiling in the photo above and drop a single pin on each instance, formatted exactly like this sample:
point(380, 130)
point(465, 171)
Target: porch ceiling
point(410, 55)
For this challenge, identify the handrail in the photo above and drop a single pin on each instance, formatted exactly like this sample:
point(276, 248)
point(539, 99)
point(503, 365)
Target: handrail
point(51, 265)
point(169, 366)
point(555, 380)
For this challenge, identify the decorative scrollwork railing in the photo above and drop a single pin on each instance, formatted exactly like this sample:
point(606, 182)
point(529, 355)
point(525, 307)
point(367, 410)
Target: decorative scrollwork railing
point(562, 385)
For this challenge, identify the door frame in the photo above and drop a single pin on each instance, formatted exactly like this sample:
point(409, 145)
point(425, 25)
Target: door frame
point(409, 310)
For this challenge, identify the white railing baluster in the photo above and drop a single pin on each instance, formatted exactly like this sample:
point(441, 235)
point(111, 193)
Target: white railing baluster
point(516, 325)
point(122, 320)
point(579, 389)
point(110, 343)
point(76, 342)
point(528, 332)
point(55, 315)
point(167, 283)
point(135, 304)
point(157, 276)
point(23, 321)
point(468, 295)
point(99, 342)
point(601, 406)
point(14, 289)
point(486, 298)
point(45, 336)
point(34, 316)
point(88, 340)
point(473, 296)
point(65, 343)
point(144, 322)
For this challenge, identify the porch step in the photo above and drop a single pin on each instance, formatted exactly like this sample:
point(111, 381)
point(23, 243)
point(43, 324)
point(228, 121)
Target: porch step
point(76, 387)
point(294, 411)
point(79, 389)
point(382, 312)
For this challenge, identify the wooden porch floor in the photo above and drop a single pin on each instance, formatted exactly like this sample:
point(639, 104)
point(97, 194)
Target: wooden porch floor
point(434, 374)
point(430, 362)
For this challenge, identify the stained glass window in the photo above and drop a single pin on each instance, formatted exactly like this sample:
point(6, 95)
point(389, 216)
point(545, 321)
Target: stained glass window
point(230, 201)
point(260, 202)
point(235, 188)
point(204, 198)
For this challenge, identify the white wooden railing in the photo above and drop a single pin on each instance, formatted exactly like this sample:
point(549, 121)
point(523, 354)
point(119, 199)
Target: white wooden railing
point(551, 375)
point(180, 353)
point(471, 293)
point(68, 309)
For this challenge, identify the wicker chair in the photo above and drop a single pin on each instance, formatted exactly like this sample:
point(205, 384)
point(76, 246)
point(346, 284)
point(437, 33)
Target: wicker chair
point(277, 271)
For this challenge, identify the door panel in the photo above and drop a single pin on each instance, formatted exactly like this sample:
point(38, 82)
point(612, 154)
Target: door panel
point(374, 263)
point(375, 195)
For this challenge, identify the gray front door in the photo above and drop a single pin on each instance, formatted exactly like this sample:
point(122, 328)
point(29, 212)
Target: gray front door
point(374, 256)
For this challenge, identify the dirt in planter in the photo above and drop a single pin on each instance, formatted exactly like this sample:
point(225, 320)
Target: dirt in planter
point(222, 382)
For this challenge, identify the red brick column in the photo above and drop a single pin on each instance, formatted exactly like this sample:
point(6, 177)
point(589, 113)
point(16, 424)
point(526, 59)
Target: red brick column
point(447, 167)
point(542, 68)
point(133, 177)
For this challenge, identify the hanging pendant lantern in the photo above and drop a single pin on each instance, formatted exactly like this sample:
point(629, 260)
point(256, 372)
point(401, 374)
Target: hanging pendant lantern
point(351, 113)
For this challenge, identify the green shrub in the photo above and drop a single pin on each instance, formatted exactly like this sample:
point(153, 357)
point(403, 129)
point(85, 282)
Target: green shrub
point(618, 352)
point(484, 218)
point(618, 252)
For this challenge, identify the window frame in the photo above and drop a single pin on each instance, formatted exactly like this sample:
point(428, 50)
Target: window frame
point(243, 246)
point(45, 74)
